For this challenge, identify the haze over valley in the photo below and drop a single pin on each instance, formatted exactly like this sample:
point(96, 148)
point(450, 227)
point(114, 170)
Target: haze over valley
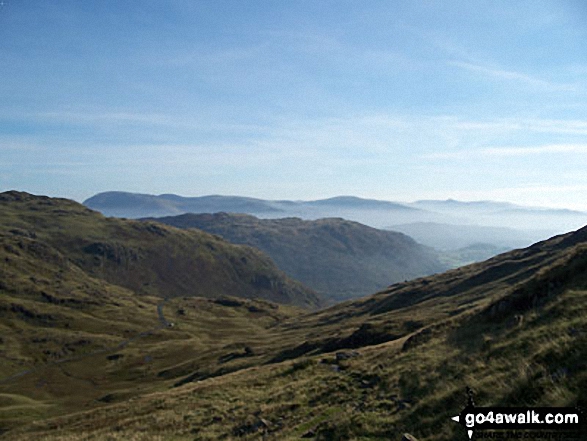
point(462, 232)
point(266, 220)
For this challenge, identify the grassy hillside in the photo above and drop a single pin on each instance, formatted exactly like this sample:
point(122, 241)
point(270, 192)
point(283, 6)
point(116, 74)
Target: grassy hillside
point(147, 258)
point(379, 393)
point(514, 329)
point(339, 259)
point(83, 319)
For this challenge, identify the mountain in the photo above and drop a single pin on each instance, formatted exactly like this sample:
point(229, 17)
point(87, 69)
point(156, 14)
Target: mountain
point(476, 252)
point(84, 303)
point(147, 258)
point(368, 211)
point(449, 205)
point(353, 202)
point(339, 259)
point(134, 205)
point(511, 331)
point(518, 225)
point(503, 214)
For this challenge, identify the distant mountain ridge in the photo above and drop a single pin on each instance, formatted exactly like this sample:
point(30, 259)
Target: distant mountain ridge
point(122, 204)
point(451, 237)
point(338, 258)
point(490, 207)
point(372, 212)
point(530, 224)
point(135, 205)
point(356, 202)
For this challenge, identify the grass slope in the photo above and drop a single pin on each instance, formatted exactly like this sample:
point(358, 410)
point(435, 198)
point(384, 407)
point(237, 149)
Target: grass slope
point(378, 394)
point(513, 328)
point(338, 258)
point(82, 315)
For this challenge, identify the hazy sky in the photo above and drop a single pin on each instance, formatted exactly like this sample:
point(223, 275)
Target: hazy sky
point(396, 100)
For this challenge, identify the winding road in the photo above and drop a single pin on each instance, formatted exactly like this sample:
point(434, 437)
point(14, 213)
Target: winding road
point(163, 323)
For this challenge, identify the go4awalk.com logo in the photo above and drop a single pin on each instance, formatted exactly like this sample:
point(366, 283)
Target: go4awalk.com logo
point(521, 422)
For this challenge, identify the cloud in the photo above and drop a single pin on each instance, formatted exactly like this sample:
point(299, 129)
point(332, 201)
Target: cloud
point(107, 117)
point(217, 57)
point(509, 75)
point(311, 42)
point(580, 149)
point(361, 137)
point(8, 145)
point(136, 118)
point(566, 127)
point(538, 150)
point(504, 137)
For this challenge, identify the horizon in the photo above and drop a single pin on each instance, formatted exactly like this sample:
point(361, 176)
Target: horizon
point(343, 196)
point(306, 101)
point(395, 201)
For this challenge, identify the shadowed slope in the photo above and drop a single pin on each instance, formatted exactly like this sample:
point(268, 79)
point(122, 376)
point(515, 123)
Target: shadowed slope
point(338, 258)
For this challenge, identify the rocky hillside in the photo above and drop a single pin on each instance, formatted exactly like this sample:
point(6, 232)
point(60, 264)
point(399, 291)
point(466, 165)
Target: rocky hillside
point(340, 259)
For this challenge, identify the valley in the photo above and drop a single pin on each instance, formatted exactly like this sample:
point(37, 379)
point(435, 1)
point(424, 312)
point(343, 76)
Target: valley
point(338, 259)
point(293, 220)
point(89, 353)
point(497, 223)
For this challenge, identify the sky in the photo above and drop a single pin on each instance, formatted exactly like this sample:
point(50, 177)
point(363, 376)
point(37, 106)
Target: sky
point(302, 99)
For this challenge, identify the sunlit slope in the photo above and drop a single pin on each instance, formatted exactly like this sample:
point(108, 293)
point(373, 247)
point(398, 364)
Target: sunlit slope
point(406, 307)
point(513, 328)
point(88, 356)
point(379, 393)
point(83, 320)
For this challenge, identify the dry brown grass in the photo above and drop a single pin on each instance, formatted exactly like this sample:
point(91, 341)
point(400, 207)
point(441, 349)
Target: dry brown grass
point(418, 345)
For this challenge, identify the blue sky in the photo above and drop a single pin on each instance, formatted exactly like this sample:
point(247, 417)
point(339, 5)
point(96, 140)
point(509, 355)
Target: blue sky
point(395, 100)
